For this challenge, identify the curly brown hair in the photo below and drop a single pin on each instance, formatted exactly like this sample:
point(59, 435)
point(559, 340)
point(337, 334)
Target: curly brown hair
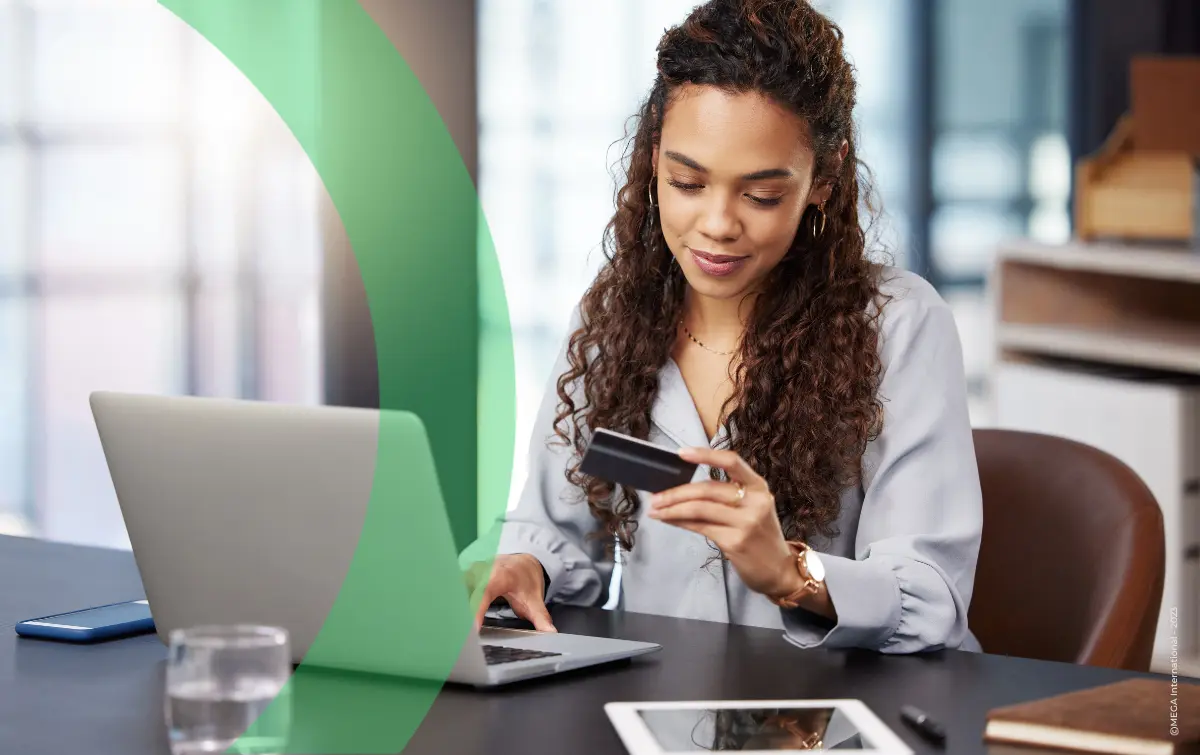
point(804, 404)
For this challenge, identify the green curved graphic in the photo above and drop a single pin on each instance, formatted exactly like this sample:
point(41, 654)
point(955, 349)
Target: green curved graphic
point(412, 215)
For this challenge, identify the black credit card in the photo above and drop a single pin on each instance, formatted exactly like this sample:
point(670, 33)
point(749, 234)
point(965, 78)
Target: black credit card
point(635, 463)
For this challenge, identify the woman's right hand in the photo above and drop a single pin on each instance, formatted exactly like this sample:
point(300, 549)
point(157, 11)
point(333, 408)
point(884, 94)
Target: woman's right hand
point(518, 579)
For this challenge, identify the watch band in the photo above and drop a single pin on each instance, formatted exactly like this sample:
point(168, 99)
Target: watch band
point(810, 585)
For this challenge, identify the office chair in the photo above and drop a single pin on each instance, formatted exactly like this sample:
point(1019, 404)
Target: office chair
point(1073, 556)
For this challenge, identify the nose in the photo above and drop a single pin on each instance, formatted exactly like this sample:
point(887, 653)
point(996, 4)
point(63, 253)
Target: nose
point(718, 219)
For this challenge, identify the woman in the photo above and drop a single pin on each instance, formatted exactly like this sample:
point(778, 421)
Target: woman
point(739, 319)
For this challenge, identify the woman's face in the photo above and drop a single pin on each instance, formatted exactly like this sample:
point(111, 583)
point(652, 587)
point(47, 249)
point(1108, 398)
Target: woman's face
point(733, 177)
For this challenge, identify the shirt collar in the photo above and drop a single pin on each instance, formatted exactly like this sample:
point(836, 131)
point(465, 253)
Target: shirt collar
point(674, 411)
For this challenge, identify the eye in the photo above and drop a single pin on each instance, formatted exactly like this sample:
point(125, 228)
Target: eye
point(684, 187)
point(764, 201)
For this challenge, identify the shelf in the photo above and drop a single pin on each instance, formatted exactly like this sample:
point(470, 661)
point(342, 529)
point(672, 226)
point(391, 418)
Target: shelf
point(1162, 262)
point(1157, 347)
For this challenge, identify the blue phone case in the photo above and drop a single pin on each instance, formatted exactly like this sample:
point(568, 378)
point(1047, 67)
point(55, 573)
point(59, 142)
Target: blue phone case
point(62, 628)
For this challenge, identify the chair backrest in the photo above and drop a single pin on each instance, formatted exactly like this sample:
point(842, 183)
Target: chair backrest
point(1072, 561)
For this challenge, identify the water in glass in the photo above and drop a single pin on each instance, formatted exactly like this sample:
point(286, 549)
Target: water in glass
point(227, 691)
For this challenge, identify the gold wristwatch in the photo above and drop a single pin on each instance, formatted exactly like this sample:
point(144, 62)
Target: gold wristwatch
point(812, 571)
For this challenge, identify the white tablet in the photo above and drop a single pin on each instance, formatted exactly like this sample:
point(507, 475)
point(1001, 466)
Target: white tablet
point(752, 726)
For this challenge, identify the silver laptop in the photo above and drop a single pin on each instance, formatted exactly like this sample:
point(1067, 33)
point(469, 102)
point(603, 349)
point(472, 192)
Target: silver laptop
point(253, 512)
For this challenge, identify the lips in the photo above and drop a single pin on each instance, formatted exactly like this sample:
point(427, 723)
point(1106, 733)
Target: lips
point(716, 259)
point(718, 265)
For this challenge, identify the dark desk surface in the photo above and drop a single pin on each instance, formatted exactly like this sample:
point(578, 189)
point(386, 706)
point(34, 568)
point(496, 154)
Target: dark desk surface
point(61, 698)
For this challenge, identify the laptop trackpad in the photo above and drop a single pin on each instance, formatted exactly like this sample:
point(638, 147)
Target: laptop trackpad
point(567, 644)
point(547, 641)
point(504, 634)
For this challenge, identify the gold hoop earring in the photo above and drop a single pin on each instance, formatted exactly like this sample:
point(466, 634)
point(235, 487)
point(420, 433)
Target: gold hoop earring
point(650, 193)
point(818, 221)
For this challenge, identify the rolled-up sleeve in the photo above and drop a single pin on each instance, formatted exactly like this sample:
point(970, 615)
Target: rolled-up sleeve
point(909, 586)
point(551, 520)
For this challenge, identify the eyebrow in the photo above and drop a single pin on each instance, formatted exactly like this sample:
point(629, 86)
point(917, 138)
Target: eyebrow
point(757, 175)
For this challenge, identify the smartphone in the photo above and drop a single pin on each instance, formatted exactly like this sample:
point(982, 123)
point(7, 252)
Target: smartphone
point(106, 622)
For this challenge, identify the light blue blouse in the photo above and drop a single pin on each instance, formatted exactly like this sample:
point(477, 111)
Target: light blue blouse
point(901, 571)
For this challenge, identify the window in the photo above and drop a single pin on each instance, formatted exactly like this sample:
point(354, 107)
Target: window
point(158, 234)
point(1000, 165)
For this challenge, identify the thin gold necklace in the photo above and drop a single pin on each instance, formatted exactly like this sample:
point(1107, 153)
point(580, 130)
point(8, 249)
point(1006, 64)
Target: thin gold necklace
point(697, 342)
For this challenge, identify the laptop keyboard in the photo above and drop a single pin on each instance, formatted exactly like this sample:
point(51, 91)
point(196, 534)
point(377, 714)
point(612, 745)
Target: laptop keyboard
point(497, 654)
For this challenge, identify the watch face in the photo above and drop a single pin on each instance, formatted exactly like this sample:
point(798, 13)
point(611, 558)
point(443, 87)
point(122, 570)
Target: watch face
point(816, 569)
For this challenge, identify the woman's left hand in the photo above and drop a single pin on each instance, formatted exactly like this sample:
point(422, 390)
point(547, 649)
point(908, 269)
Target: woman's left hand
point(743, 524)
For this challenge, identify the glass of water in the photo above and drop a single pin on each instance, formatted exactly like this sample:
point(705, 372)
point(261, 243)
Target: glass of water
point(227, 690)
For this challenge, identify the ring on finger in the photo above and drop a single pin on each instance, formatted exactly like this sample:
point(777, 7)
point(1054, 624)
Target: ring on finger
point(741, 492)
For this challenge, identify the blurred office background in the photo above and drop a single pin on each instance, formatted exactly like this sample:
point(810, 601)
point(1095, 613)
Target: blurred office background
point(159, 226)
point(157, 234)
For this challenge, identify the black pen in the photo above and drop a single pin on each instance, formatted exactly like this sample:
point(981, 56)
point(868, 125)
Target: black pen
point(925, 726)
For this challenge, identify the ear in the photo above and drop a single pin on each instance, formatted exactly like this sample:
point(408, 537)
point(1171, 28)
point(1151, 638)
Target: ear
point(821, 192)
point(654, 161)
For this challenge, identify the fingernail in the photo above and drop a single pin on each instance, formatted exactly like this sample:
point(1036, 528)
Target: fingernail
point(655, 499)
